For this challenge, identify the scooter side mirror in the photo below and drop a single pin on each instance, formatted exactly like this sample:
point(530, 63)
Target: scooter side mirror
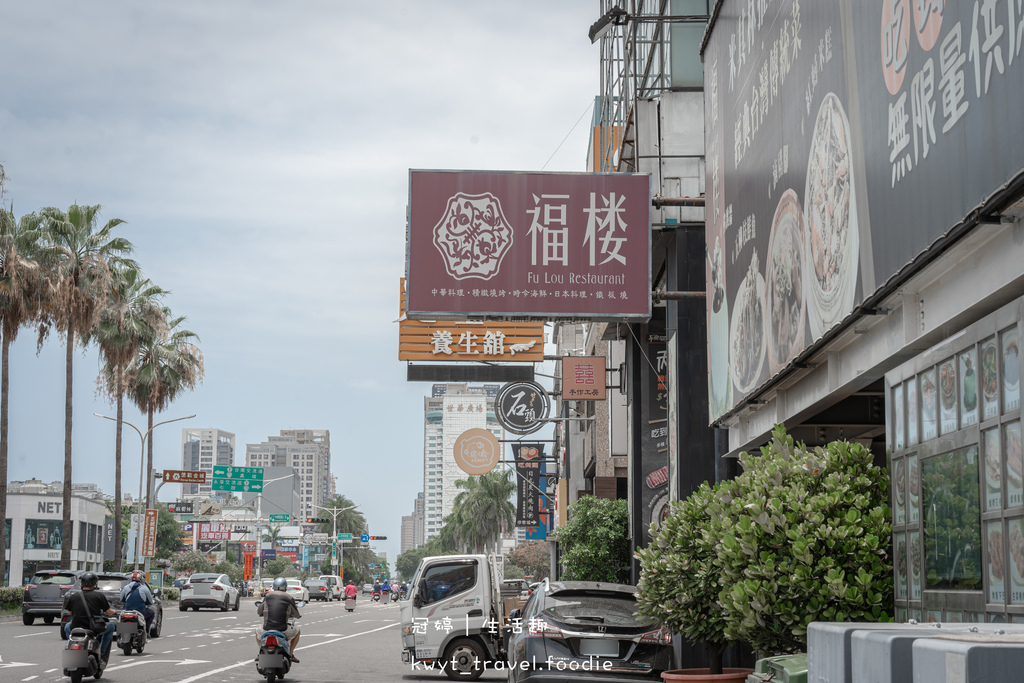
point(300, 603)
point(157, 592)
point(258, 603)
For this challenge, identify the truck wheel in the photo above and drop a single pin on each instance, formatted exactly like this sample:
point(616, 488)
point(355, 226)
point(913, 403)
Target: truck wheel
point(465, 660)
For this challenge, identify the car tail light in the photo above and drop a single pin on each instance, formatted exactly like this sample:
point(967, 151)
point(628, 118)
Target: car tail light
point(271, 642)
point(542, 629)
point(660, 637)
point(217, 588)
point(31, 586)
point(75, 646)
point(322, 588)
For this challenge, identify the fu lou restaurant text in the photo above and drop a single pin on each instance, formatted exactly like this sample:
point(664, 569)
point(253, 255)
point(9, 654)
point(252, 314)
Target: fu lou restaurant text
point(866, 253)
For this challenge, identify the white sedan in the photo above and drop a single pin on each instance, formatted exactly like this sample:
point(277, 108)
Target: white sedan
point(297, 590)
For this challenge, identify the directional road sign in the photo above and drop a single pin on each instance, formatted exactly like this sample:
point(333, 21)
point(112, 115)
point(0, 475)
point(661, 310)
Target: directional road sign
point(344, 537)
point(365, 538)
point(279, 519)
point(229, 478)
point(184, 477)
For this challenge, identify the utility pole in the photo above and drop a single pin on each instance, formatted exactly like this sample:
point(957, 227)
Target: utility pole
point(334, 535)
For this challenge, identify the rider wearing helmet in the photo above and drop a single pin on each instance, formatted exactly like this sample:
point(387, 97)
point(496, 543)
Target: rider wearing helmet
point(137, 596)
point(351, 591)
point(276, 609)
point(87, 604)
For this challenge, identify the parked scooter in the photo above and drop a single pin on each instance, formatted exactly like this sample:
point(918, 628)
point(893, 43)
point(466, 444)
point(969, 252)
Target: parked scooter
point(274, 660)
point(131, 631)
point(81, 657)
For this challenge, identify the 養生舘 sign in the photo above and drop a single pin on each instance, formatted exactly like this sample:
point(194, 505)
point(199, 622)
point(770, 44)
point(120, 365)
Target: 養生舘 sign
point(522, 246)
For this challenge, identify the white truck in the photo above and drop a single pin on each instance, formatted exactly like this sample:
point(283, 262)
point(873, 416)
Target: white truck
point(454, 618)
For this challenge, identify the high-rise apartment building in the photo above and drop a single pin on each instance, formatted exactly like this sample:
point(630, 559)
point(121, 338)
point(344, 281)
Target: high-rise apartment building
point(417, 520)
point(308, 452)
point(450, 410)
point(408, 533)
point(201, 449)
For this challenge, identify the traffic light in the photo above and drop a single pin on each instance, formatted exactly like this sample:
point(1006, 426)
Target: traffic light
point(317, 520)
point(378, 538)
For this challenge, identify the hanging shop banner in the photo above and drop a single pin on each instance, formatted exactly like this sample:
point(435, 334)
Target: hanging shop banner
point(528, 460)
point(109, 545)
point(214, 531)
point(843, 140)
point(583, 378)
point(654, 415)
point(468, 341)
point(248, 560)
point(528, 246)
point(149, 533)
point(476, 451)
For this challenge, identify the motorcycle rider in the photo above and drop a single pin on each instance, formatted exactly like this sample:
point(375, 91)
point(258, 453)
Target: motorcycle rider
point(386, 588)
point(137, 596)
point(276, 609)
point(376, 587)
point(86, 604)
point(351, 591)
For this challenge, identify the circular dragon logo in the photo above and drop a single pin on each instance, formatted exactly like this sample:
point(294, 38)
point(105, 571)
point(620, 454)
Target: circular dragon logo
point(473, 236)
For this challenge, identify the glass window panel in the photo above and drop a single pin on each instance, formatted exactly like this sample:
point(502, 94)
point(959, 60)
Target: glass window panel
point(899, 485)
point(952, 524)
point(997, 618)
point(901, 567)
point(897, 416)
point(993, 469)
point(934, 616)
point(1015, 544)
point(913, 490)
point(929, 406)
point(968, 388)
point(914, 564)
point(1014, 465)
point(954, 617)
point(1011, 369)
point(43, 533)
point(989, 379)
point(912, 413)
point(947, 396)
point(901, 615)
point(996, 562)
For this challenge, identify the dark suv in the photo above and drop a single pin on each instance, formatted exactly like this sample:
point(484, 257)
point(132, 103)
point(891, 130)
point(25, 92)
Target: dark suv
point(45, 593)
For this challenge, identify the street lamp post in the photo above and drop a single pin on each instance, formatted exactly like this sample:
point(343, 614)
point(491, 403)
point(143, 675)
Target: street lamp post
point(334, 535)
point(142, 468)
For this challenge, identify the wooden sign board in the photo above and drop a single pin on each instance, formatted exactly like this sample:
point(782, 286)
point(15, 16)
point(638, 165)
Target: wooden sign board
point(468, 341)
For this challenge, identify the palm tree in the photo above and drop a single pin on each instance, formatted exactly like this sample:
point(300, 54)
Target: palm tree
point(271, 535)
point(131, 315)
point(80, 282)
point(482, 513)
point(22, 285)
point(163, 367)
point(350, 521)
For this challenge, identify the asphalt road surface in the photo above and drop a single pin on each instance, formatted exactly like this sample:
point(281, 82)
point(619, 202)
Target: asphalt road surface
point(210, 646)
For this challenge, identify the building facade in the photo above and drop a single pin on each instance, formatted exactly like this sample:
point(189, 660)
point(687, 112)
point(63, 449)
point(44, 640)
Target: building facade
point(450, 410)
point(201, 449)
point(308, 452)
point(35, 533)
point(408, 533)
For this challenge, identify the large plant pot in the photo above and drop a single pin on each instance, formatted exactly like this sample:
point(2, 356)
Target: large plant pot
point(728, 675)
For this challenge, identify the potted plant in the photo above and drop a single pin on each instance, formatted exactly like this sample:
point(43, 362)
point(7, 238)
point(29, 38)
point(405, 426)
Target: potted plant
point(679, 584)
point(802, 535)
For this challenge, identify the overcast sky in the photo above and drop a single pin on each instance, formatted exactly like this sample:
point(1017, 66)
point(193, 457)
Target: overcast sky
point(259, 153)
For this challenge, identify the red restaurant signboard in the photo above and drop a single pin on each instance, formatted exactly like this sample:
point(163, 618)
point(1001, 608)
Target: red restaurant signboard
point(507, 245)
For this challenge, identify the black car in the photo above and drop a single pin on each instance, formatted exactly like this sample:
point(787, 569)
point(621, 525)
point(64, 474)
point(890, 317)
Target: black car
point(581, 630)
point(44, 595)
point(110, 584)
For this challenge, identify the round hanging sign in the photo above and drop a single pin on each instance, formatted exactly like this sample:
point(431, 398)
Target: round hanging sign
point(476, 451)
point(522, 407)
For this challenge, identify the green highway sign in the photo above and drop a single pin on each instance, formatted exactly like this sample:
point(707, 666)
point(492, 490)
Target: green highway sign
point(344, 537)
point(279, 519)
point(230, 478)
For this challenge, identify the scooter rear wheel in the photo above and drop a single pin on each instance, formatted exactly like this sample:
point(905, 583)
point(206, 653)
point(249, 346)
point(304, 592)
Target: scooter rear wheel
point(126, 649)
point(76, 677)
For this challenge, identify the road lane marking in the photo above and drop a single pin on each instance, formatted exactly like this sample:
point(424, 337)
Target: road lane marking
point(137, 662)
point(29, 678)
point(29, 635)
point(49, 671)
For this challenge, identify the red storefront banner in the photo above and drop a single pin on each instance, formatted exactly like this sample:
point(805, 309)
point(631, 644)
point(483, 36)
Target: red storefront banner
point(293, 557)
point(538, 246)
point(214, 532)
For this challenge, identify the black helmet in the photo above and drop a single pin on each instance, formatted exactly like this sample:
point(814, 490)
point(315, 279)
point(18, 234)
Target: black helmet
point(280, 584)
point(89, 580)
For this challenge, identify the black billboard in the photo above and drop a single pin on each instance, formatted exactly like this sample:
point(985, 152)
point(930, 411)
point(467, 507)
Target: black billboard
point(843, 140)
point(528, 458)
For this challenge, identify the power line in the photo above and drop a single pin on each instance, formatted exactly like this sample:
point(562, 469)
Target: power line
point(589, 107)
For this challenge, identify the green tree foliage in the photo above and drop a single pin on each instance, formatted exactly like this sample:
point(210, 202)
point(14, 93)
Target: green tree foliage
point(532, 557)
point(191, 562)
point(280, 566)
point(595, 541)
point(233, 571)
point(678, 578)
point(168, 534)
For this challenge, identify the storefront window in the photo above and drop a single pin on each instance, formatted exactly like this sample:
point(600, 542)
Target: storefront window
point(993, 470)
point(996, 562)
point(947, 396)
point(1015, 544)
point(989, 379)
point(929, 406)
point(899, 485)
point(1014, 466)
point(901, 566)
point(43, 533)
point(951, 495)
point(913, 490)
point(912, 413)
point(897, 416)
point(92, 538)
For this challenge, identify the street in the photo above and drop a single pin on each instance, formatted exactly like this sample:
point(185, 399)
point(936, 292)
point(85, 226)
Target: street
point(212, 646)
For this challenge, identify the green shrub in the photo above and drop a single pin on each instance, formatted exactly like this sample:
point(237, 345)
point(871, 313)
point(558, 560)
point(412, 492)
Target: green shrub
point(11, 597)
point(170, 594)
point(678, 578)
point(803, 535)
point(595, 541)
